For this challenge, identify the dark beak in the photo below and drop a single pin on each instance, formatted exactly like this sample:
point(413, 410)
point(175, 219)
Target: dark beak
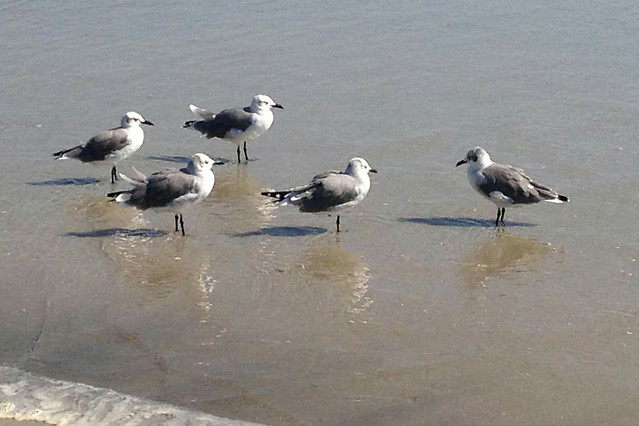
point(278, 106)
point(373, 170)
point(147, 122)
point(460, 162)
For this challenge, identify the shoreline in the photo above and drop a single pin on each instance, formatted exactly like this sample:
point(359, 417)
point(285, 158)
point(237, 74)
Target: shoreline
point(43, 400)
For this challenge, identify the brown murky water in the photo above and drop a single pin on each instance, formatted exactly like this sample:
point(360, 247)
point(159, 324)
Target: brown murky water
point(420, 312)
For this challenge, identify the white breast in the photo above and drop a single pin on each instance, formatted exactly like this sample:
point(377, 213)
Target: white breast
point(136, 139)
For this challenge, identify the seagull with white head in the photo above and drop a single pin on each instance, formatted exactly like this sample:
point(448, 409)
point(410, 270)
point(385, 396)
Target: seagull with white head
point(170, 189)
point(330, 191)
point(112, 145)
point(505, 185)
point(236, 124)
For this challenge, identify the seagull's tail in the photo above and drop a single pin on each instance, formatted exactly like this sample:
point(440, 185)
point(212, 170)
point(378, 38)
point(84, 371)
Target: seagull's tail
point(280, 195)
point(137, 178)
point(205, 114)
point(549, 195)
point(553, 197)
point(282, 198)
point(120, 196)
point(293, 196)
point(68, 153)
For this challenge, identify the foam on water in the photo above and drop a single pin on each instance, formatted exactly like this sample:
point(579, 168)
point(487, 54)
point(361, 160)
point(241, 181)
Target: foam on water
point(24, 396)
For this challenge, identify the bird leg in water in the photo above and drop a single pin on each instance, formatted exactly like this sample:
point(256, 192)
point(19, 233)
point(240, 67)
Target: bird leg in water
point(182, 224)
point(176, 223)
point(245, 153)
point(337, 223)
point(500, 212)
point(239, 158)
point(114, 175)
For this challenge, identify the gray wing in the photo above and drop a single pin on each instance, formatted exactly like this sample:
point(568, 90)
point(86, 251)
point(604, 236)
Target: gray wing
point(319, 177)
point(513, 183)
point(162, 188)
point(103, 144)
point(330, 189)
point(544, 192)
point(223, 122)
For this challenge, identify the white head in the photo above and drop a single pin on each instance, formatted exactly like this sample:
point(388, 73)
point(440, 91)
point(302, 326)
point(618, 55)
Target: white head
point(358, 166)
point(132, 118)
point(200, 162)
point(476, 157)
point(264, 102)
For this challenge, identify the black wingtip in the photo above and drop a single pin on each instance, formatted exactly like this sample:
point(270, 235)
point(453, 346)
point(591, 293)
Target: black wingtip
point(563, 198)
point(275, 194)
point(188, 124)
point(75, 151)
point(115, 194)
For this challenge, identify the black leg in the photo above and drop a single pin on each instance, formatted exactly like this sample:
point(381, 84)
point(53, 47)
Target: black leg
point(337, 223)
point(176, 223)
point(245, 153)
point(239, 159)
point(114, 175)
point(501, 212)
point(182, 224)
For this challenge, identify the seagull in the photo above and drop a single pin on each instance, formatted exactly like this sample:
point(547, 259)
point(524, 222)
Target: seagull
point(236, 124)
point(329, 191)
point(170, 189)
point(111, 145)
point(505, 185)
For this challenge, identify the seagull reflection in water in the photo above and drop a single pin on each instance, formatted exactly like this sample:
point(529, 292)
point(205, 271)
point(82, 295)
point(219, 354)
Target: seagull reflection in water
point(328, 268)
point(501, 255)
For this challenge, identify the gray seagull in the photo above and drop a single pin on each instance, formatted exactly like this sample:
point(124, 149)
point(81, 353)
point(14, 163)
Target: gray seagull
point(330, 191)
point(236, 124)
point(505, 185)
point(111, 145)
point(170, 189)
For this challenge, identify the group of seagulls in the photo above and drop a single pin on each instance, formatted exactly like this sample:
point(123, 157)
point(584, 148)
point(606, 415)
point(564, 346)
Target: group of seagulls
point(331, 191)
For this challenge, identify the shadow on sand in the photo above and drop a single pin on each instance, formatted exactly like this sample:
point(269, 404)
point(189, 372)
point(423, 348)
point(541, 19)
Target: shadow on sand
point(184, 160)
point(464, 222)
point(66, 182)
point(116, 232)
point(284, 231)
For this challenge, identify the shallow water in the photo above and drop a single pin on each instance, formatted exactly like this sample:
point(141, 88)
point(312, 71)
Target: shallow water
point(420, 312)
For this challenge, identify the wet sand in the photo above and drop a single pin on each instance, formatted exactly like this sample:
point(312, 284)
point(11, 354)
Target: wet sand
point(420, 311)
